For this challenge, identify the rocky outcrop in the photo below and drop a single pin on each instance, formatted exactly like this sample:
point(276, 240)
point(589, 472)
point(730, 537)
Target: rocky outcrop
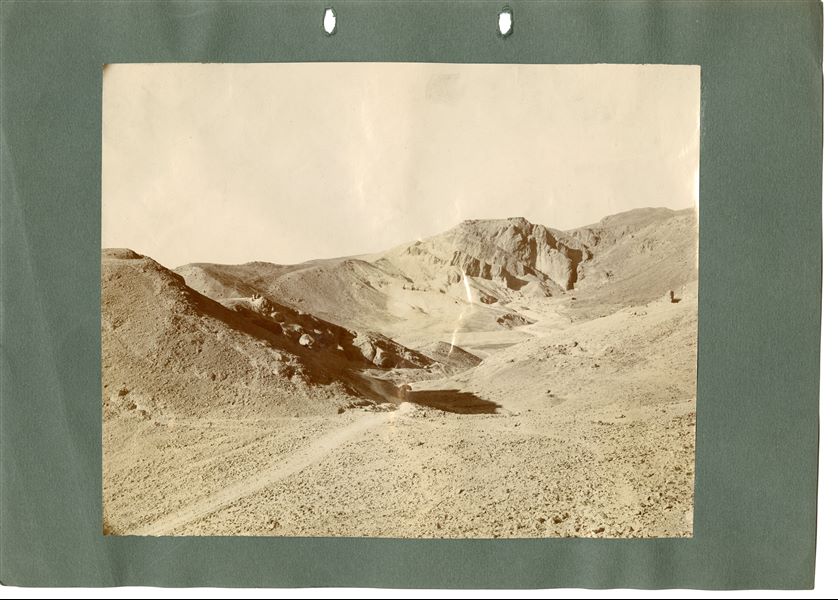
point(513, 252)
point(384, 353)
point(510, 320)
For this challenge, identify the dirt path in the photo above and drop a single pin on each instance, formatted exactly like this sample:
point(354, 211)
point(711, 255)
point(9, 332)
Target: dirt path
point(293, 463)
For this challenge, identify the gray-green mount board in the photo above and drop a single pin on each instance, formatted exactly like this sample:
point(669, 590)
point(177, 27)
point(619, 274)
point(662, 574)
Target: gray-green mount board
point(760, 255)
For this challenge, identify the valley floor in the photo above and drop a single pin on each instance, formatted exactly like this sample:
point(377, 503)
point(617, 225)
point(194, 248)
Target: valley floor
point(412, 472)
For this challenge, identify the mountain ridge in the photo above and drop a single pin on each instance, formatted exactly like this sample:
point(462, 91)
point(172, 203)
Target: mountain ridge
point(487, 264)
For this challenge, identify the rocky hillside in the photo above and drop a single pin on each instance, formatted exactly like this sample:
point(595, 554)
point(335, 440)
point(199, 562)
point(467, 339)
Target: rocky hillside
point(637, 257)
point(242, 355)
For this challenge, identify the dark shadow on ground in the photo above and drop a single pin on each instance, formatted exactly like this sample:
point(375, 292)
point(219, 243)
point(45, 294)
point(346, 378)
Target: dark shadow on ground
point(453, 401)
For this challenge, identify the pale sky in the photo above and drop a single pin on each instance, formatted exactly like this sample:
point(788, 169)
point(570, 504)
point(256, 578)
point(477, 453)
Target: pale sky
point(287, 162)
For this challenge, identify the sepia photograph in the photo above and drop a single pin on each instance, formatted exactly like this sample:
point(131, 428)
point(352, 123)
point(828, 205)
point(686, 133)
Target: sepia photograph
point(402, 300)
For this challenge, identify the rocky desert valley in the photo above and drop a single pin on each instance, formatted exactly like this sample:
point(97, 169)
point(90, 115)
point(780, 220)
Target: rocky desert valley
point(502, 379)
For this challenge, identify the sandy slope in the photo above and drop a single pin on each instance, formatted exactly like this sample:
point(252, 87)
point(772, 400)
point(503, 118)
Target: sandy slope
point(502, 379)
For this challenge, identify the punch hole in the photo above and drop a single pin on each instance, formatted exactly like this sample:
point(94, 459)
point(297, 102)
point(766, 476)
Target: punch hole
point(329, 21)
point(505, 22)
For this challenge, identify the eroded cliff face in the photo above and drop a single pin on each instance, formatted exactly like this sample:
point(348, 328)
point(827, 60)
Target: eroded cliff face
point(513, 252)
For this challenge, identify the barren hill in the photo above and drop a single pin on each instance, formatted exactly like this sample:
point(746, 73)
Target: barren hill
point(212, 359)
point(476, 276)
point(244, 355)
